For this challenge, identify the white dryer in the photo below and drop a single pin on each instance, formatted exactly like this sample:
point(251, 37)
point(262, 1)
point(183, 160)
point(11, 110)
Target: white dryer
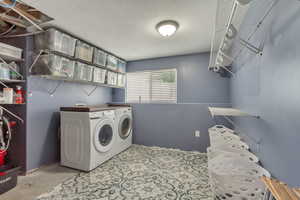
point(124, 128)
point(87, 138)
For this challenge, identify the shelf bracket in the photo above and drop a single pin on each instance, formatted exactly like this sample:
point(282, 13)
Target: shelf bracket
point(3, 84)
point(91, 92)
point(52, 92)
point(251, 47)
point(11, 113)
point(35, 60)
point(226, 69)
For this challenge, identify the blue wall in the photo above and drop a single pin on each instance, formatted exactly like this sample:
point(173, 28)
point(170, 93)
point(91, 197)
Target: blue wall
point(43, 116)
point(173, 125)
point(269, 85)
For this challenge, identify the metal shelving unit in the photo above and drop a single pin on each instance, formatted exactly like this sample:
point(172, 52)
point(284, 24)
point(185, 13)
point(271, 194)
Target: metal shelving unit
point(229, 17)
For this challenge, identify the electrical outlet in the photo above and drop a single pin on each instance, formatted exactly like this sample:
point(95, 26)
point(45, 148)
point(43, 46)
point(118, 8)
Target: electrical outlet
point(197, 133)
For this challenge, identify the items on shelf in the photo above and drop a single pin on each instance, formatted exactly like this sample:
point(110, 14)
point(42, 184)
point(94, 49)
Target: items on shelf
point(9, 71)
point(112, 78)
point(54, 65)
point(84, 51)
point(83, 72)
point(99, 57)
point(9, 96)
point(121, 66)
point(55, 40)
point(19, 96)
point(121, 80)
point(88, 64)
point(99, 75)
point(112, 62)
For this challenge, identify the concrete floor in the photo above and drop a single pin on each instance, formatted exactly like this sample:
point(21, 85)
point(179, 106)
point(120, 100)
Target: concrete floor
point(41, 181)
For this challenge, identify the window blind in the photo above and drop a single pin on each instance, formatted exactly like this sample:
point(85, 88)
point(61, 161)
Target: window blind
point(152, 86)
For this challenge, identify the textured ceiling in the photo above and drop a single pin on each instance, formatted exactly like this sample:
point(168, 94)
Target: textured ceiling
point(127, 27)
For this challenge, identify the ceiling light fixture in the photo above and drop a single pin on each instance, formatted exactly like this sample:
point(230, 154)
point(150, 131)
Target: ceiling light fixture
point(167, 28)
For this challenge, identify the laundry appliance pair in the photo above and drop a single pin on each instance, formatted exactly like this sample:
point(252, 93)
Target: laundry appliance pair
point(92, 135)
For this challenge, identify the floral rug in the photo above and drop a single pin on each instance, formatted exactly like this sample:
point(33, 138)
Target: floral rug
point(138, 173)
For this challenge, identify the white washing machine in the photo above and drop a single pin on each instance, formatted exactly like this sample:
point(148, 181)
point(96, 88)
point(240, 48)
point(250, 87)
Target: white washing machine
point(87, 138)
point(124, 128)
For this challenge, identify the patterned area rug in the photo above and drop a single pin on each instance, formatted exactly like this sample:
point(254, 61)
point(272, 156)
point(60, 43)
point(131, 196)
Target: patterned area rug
point(141, 172)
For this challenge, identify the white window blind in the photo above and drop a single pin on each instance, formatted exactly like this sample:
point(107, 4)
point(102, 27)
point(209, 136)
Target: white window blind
point(152, 86)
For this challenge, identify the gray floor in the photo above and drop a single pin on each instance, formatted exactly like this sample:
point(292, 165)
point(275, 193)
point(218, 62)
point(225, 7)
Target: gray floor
point(39, 182)
point(138, 173)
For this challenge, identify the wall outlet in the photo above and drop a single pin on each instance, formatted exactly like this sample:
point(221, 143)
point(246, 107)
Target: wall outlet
point(197, 133)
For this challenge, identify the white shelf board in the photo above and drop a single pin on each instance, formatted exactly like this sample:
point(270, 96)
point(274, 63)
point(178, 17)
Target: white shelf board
point(233, 112)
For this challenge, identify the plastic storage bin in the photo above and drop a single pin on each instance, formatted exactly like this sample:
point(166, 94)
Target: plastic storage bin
point(55, 40)
point(83, 72)
point(112, 78)
point(4, 71)
point(99, 75)
point(121, 66)
point(10, 51)
point(54, 65)
point(84, 51)
point(99, 57)
point(112, 62)
point(121, 80)
point(8, 179)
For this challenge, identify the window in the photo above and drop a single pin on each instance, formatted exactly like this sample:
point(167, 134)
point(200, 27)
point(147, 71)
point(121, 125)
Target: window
point(152, 86)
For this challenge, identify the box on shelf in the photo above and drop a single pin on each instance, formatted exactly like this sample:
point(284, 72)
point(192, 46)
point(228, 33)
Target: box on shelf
point(121, 80)
point(99, 57)
point(84, 51)
point(99, 75)
point(83, 72)
point(112, 62)
point(112, 78)
point(10, 51)
point(121, 66)
point(55, 40)
point(54, 65)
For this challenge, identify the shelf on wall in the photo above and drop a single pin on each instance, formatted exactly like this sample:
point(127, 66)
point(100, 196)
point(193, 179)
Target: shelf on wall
point(77, 81)
point(12, 81)
point(229, 112)
point(12, 103)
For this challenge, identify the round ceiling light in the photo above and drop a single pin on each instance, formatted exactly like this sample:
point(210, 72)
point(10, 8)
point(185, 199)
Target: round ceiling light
point(167, 28)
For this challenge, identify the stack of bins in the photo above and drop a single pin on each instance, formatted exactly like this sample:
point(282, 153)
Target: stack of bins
point(121, 74)
point(99, 59)
point(233, 171)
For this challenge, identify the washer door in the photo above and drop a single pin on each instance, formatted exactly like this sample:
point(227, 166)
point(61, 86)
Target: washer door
point(104, 135)
point(125, 126)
